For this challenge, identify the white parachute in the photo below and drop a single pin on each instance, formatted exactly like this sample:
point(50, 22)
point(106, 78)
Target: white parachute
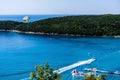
point(26, 19)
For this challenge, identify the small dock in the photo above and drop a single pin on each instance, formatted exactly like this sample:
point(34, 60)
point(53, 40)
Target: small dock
point(102, 71)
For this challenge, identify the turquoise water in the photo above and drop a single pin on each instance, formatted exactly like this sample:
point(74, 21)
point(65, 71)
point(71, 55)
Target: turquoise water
point(19, 53)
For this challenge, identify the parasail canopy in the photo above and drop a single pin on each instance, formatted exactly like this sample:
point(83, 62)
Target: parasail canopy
point(26, 19)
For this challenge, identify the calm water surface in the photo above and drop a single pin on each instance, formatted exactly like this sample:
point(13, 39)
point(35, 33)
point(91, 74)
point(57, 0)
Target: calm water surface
point(32, 17)
point(19, 53)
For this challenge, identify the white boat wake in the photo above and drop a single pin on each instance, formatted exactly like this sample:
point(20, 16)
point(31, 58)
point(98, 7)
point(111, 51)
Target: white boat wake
point(80, 63)
point(61, 70)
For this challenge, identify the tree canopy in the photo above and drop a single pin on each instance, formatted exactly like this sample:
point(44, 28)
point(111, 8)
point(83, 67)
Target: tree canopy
point(93, 77)
point(44, 72)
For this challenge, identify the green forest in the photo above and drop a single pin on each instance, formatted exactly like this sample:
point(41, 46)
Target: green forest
point(84, 25)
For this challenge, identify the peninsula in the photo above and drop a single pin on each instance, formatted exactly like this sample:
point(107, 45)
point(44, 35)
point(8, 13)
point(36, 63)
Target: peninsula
point(84, 25)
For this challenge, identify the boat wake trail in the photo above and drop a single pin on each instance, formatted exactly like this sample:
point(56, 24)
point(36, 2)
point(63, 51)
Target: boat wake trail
point(80, 63)
point(61, 70)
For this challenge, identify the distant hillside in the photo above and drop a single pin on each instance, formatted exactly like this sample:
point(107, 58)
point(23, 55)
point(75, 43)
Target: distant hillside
point(90, 25)
point(7, 25)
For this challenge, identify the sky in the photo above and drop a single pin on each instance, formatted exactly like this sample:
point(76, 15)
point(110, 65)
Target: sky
point(59, 7)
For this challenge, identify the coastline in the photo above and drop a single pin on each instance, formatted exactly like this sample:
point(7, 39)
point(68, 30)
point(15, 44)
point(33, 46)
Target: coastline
point(56, 34)
point(78, 26)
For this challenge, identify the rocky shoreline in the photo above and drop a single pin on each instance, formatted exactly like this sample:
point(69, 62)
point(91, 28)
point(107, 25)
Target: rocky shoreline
point(56, 34)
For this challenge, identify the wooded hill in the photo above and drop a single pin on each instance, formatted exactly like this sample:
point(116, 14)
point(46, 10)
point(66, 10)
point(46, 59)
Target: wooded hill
point(90, 25)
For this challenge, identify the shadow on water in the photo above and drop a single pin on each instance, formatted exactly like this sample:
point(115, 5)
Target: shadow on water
point(24, 72)
point(13, 74)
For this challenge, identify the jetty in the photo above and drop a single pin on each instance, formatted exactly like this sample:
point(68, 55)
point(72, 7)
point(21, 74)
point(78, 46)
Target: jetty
point(102, 71)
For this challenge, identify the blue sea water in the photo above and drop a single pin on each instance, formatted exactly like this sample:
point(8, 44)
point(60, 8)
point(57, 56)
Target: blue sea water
point(32, 17)
point(19, 53)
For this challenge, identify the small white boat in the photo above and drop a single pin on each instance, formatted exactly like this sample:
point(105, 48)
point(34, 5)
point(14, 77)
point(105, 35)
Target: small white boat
point(77, 73)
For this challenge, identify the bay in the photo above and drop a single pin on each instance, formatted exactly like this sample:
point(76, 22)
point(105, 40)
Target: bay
point(19, 53)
